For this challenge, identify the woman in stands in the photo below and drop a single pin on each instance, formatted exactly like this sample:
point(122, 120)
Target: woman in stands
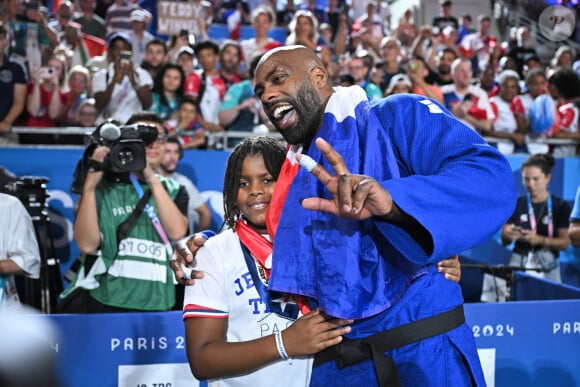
point(167, 91)
point(46, 100)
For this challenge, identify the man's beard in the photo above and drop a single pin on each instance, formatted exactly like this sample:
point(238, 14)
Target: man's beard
point(168, 169)
point(309, 110)
point(444, 70)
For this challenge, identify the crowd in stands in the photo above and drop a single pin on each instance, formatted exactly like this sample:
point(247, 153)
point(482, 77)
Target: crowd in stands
point(82, 62)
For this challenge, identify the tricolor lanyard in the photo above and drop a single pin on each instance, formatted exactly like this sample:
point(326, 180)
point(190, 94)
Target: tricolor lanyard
point(150, 211)
point(281, 304)
point(532, 215)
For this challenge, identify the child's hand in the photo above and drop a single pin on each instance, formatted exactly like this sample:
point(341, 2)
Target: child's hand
point(314, 332)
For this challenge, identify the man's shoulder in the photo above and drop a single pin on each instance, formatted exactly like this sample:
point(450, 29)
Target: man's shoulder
point(15, 66)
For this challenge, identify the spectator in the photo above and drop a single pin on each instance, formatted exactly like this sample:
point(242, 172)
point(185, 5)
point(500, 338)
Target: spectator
point(406, 31)
point(505, 125)
point(78, 82)
point(156, 55)
point(32, 38)
point(477, 46)
point(198, 212)
point(565, 86)
point(62, 18)
point(445, 18)
point(140, 37)
point(202, 19)
point(391, 52)
point(46, 100)
point(263, 19)
point(312, 6)
point(531, 62)
point(185, 58)
point(126, 277)
point(240, 110)
point(467, 102)
point(87, 114)
point(19, 254)
point(399, 84)
point(563, 57)
point(123, 88)
point(230, 60)
point(229, 7)
point(417, 72)
point(303, 30)
point(167, 91)
point(464, 28)
point(360, 67)
point(285, 11)
point(538, 226)
point(428, 44)
point(187, 125)
point(443, 62)
point(207, 88)
point(536, 84)
point(91, 23)
point(332, 15)
point(118, 17)
point(487, 81)
point(12, 88)
point(373, 21)
point(522, 48)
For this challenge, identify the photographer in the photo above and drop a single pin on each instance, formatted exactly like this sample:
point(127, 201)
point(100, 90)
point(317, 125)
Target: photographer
point(123, 88)
point(131, 271)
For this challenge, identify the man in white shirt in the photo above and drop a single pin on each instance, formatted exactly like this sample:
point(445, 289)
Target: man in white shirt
point(19, 254)
point(123, 88)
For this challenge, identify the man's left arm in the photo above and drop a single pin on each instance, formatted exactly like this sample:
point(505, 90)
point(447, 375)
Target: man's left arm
point(454, 185)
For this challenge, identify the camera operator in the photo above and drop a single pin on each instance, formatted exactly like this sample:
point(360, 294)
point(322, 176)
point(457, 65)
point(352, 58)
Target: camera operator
point(123, 88)
point(131, 271)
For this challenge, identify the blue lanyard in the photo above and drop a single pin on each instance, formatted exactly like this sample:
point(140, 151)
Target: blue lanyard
point(532, 215)
point(281, 304)
point(150, 211)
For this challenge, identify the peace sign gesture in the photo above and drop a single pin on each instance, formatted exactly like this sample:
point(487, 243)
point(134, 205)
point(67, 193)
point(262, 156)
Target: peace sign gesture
point(354, 196)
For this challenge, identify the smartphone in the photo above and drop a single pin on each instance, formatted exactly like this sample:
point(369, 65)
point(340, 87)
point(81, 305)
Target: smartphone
point(126, 56)
point(184, 32)
point(46, 72)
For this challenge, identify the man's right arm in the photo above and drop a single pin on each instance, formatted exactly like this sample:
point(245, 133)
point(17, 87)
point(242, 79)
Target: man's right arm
point(87, 232)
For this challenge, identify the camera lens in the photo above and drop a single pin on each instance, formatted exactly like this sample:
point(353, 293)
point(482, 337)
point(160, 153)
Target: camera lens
point(126, 156)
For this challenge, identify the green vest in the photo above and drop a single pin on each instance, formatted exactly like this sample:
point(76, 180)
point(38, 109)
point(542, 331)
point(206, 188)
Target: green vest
point(139, 275)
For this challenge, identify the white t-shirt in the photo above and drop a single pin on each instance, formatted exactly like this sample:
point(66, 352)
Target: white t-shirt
point(227, 291)
point(18, 243)
point(124, 100)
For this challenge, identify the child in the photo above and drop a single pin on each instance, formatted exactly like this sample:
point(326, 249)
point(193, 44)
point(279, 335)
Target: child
point(187, 126)
point(232, 329)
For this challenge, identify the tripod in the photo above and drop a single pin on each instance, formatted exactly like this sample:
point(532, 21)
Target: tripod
point(503, 271)
point(42, 293)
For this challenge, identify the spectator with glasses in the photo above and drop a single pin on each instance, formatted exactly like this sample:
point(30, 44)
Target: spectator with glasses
point(131, 271)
